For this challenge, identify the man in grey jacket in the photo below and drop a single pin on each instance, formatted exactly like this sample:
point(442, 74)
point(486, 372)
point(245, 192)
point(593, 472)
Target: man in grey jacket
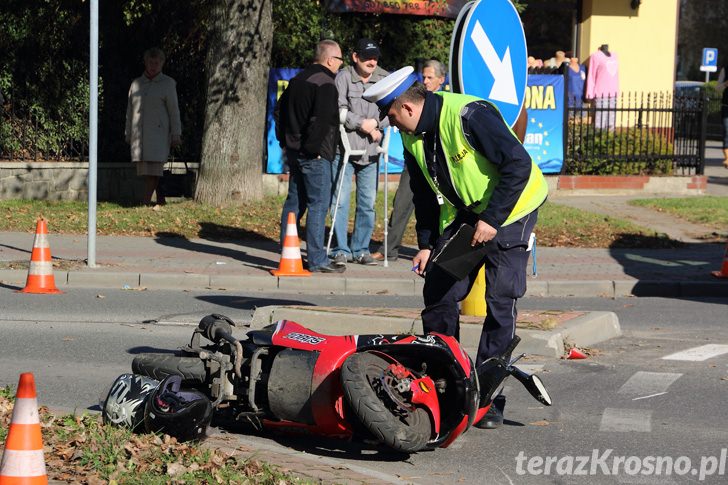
point(364, 130)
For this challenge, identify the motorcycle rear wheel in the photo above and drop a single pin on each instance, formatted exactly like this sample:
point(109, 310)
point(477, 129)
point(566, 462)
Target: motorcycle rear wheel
point(406, 433)
point(159, 366)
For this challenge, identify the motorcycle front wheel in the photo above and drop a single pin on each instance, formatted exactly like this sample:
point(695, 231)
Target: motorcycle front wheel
point(401, 430)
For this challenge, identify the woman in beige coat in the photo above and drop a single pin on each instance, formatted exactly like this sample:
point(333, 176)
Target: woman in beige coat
point(152, 122)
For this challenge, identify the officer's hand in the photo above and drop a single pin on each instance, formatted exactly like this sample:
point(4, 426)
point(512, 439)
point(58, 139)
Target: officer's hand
point(484, 232)
point(376, 135)
point(368, 125)
point(419, 263)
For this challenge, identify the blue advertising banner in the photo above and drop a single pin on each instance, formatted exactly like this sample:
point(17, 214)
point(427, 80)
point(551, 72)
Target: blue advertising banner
point(277, 82)
point(545, 132)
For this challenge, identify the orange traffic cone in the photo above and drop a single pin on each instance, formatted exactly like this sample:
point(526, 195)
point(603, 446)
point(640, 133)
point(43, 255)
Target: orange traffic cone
point(575, 354)
point(23, 461)
point(723, 273)
point(291, 263)
point(40, 274)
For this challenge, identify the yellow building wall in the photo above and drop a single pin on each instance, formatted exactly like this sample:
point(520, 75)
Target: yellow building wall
point(644, 39)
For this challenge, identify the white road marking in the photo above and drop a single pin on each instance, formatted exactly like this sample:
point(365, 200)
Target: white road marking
point(643, 383)
point(647, 397)
point(699, 354)
point(626, 420)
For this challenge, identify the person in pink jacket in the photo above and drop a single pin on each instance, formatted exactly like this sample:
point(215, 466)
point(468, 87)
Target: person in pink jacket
point(602, 85)
point(152, 122)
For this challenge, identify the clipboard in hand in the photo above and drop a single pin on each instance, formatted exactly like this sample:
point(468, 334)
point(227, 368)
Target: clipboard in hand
point(457, 257)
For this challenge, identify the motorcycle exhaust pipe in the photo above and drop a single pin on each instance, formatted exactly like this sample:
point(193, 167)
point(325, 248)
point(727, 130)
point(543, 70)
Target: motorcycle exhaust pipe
point(533, 385)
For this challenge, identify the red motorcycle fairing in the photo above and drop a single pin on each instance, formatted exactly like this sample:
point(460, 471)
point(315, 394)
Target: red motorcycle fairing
point(442, 341)
point(464, 425)
point(327, 395)
point(424, 392)
point(458, 352)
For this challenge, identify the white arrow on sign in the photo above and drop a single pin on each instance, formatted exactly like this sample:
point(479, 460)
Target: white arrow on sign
point(504, 85)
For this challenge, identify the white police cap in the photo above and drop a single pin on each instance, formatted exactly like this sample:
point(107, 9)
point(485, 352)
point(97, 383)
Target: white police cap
point(386, 90)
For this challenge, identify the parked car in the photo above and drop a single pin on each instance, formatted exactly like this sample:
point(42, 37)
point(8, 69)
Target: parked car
point(686, 100)
point(688, 88)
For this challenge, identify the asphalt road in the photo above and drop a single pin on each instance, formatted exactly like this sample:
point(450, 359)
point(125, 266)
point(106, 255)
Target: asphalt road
point(629, 398)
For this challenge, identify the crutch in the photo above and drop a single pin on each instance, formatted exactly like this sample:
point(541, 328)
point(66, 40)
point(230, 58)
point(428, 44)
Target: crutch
point(383, 149)
point(348, 152)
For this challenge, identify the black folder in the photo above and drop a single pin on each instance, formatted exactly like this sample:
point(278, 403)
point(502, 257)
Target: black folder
point(458, 258)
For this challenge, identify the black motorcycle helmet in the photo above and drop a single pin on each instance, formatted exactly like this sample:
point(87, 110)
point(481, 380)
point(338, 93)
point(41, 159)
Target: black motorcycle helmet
point(124, 403)
point(181, 413)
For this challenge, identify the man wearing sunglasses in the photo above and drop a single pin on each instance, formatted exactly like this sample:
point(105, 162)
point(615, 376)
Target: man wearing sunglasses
point(307, 122)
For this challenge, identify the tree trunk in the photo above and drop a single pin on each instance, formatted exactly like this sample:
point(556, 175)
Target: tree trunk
point(232, 143)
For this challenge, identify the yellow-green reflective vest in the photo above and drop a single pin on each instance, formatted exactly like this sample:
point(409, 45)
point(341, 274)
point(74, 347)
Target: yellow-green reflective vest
point(473, 176)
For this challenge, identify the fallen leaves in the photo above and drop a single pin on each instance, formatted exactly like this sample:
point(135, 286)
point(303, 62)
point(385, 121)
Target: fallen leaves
point(80, 449)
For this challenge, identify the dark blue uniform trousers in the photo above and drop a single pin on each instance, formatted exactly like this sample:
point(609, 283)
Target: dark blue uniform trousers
point(505, 261)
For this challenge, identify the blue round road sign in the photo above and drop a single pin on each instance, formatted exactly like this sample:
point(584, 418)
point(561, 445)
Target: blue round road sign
point(488, 56)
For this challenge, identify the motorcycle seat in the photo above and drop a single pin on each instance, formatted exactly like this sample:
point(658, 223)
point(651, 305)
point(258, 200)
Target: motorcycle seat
point(261, 337)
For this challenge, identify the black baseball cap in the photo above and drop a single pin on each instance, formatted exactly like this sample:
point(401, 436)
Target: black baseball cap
point(367, 49)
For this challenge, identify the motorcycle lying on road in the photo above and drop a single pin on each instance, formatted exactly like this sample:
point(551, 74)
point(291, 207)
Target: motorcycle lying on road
point(407, 392)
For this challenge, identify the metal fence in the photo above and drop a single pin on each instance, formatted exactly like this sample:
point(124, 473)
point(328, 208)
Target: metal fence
point(655, 133)
point(26, 136)
point(637, 134)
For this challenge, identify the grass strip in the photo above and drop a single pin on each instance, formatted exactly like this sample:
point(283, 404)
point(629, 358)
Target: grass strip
point(709, 211)
point(557, 226)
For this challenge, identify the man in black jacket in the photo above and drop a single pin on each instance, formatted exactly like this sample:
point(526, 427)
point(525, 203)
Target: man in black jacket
point(307, 121)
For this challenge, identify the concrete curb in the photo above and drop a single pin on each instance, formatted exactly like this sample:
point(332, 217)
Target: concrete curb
point(331, 285)
point(581, 331)
point(320, 469)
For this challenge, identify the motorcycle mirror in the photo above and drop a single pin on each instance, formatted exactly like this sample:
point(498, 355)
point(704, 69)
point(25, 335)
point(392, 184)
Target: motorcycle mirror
point(543, 394)
point(533, 384)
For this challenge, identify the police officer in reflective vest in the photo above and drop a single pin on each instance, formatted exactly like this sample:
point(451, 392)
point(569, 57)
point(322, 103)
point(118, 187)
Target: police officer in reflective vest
point(466, 167)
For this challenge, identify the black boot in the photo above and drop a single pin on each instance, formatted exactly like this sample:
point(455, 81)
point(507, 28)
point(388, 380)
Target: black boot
point(494, 417)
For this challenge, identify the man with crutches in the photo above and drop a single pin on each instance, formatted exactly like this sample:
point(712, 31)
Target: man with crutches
point(364, 131)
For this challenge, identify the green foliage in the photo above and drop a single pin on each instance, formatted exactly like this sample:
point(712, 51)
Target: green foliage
point(714, 98)
point(520, 6)
point(623, 151)
point(44, 59)
point(44, 77)
point(299, 24)
point(135, 10)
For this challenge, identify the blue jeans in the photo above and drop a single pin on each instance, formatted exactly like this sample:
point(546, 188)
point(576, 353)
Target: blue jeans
point(366, 194)
point(309, 189)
